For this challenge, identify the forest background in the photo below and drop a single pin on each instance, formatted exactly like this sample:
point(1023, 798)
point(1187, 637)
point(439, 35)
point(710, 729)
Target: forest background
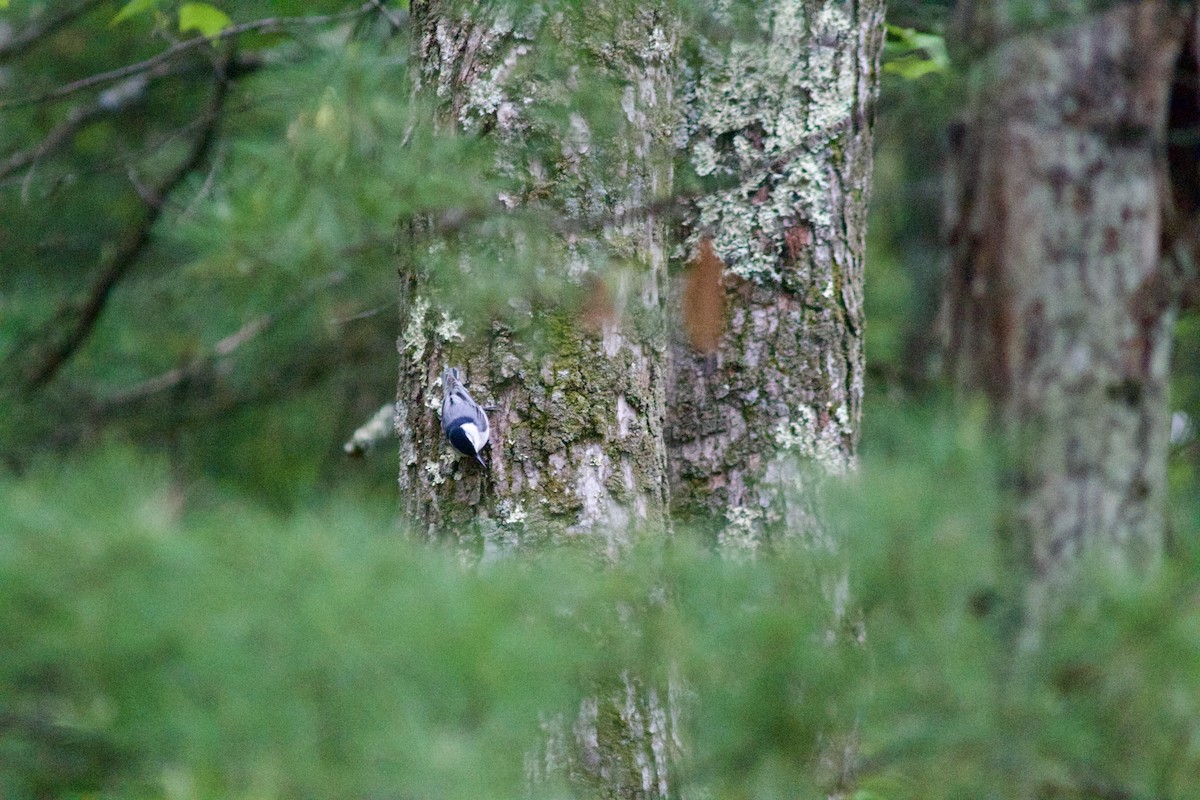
point(209, 586)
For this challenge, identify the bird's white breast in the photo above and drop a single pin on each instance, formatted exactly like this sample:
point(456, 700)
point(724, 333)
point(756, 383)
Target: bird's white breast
point(477, 437)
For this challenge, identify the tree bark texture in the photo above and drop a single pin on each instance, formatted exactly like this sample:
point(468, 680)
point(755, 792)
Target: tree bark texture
point(785, 122)
point(748, 414)
point(576, 444)
point(1059, 302)
point(577, 451)
point(621, 744)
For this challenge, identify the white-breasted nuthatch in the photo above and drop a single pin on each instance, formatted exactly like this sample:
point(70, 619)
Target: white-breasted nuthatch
point(464, 421)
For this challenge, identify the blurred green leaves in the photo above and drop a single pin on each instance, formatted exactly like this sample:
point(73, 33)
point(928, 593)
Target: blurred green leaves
point(242, 654)
point(258, 308)
point(132, 9)
point(206, 19)
point(159, 637)
point(912, 54)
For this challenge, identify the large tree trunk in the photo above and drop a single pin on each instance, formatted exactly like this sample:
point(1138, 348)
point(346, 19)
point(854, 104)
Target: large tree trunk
point(577, 443)
point(769, 405)
point(577, 449)
point(1059, 302)
point(788, 120)
point(767, 363)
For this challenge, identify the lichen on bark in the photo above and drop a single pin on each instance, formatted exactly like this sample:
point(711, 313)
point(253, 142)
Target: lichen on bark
point(784, 121)
point(585, 395)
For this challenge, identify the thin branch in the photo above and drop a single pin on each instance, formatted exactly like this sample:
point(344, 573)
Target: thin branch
point(132, 244)
point(112, 101)
point(58, 136)
point(115, 100)
point(270, 25)
point(42, 28)
point(148, 195)
point(361, 315)
point(223, 349)
point(302, 371)
point(206, 187)
point(174, 377)
point(458, 218)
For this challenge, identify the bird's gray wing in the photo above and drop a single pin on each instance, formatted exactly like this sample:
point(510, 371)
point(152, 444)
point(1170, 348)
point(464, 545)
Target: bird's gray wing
point(478, 415)
point(459, 404)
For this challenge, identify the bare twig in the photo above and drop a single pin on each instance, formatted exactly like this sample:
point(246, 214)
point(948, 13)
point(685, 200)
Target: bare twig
point(206, 187)
point(361, 315)
point(111, 102)
point(458, 218)
point(178, 375)
point(148, 195)
point(221, 350)
point(270, 25)
point(58, 136)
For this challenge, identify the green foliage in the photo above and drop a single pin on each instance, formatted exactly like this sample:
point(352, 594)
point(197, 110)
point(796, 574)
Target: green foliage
point(206, 19)
point(912, 54)
point(924, 15)
point(259, 308)
point(161, 640)
point(235, 653)
point(1185, 397)
point(132, 9)
point(267, 285)
point(919, 95)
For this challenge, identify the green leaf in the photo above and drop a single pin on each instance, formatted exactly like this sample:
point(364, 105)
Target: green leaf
point(131, 9)
point(911, 67)
point(933, 45)
point(208, 20)
point(912, 54)
point(3, 4)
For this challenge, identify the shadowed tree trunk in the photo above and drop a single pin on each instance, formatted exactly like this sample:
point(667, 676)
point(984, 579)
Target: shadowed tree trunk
point(1060, 303)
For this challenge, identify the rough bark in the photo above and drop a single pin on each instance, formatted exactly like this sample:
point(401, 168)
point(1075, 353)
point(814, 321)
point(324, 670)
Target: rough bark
point(766, 404)
point(576, 444)
point(786, 121)
point(1059, 303)
point(621, 744)
point(577, 451)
